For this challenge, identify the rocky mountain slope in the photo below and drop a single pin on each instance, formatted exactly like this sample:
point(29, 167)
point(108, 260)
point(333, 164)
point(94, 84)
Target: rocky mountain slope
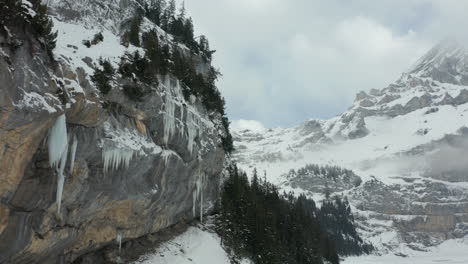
point(80, 170)
point(405, 142)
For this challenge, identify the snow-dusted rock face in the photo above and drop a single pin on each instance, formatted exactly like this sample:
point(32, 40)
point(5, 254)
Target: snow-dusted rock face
point(77, 174)
point(408, 144)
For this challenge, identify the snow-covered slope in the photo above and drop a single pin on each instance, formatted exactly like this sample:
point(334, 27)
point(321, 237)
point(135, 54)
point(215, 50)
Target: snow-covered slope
point(198, 245)
point(194, 246)
point(406, 142)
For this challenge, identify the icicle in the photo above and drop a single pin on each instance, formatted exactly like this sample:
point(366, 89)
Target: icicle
point(115, 158)
point(119, 241)
point(61, 178)
point(169, 118)
point(166, 155)
point(191, 130)
point(73, 153)
point(182, 114)
point(58, 141)
point(201, 200)
point(194, 203)
point(60, 184)
point(58, 153)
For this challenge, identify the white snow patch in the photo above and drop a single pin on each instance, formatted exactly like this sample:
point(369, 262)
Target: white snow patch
point(35, 101)
point(449, 252)
point(71, 49)
point(195, 246)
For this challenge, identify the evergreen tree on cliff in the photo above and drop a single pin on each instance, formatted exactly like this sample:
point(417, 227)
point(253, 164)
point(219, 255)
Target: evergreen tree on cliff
point(44, 26)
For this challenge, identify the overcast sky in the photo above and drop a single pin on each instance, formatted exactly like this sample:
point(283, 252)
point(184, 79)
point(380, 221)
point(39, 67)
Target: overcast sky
point(285, 61)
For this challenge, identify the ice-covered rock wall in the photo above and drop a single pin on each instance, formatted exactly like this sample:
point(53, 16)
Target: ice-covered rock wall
point(78, 170)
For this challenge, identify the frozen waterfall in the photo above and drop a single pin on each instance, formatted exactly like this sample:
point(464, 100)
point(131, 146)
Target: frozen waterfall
point(58, 141)
point(198, 195)
point(58, 153)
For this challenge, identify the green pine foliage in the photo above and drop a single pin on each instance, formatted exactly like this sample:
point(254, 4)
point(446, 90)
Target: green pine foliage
point(18, 13)
point(134, 91)
point(179, 25)
point(153, 50)
point(161, 59)
point(134, 32)
point(258, 222)
point(12, 12)
point(98, 38)
point(139, 73)
point(227, 141)
point(44, 26)
point(338, 221)
point(103, 76)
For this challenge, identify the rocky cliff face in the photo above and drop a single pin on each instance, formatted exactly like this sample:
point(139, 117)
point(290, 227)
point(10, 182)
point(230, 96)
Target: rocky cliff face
point(79, 171)
point(407, 142)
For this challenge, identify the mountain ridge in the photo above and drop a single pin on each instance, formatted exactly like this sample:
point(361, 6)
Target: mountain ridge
point(390, 138)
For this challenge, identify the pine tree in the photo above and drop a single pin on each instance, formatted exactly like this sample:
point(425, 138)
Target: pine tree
point(171, 13)
point(204, 47)
point(165, 63)
point(43, 27)
point(153, 51)
point(134, 32)
point(102, 77)
point(189, 36)
point(155, 10)
point(12, 11)
point(269, 228)
point(182, 12)
point(227, 141)
point(168, 16)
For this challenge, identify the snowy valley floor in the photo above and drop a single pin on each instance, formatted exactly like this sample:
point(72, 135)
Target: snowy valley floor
point(449, 252)
point(198, 246)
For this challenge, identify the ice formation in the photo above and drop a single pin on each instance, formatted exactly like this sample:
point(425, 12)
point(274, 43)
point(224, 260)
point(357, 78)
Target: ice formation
point(166, 155)
point(58, 153)
point(119, 240)
point(58, 141)
point(198, 195)
point(173, 98)
point(169, 117)
point(114, 158)
point(201, 200)
point(73, 153)
point(192, 129)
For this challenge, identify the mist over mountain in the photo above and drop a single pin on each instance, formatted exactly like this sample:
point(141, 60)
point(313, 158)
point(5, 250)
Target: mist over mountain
point(116, 144)
point(406, 142)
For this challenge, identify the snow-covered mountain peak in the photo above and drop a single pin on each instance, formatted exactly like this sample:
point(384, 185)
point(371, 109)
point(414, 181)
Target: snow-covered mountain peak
point(447, 62)
point(399, 140)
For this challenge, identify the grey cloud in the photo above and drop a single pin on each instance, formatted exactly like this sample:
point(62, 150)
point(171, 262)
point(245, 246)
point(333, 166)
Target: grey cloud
point(286, 61)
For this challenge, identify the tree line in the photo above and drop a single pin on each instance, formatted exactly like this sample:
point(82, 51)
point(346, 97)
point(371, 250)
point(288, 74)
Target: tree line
point(258, 222)
point(162, 57)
